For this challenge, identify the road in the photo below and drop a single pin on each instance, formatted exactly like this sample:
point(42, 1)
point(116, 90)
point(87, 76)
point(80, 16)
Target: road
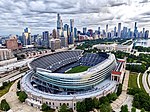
point(144, 81)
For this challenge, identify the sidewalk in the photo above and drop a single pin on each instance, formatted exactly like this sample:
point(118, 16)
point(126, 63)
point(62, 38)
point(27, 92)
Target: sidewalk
point(121, 99)
point(144, 81)
point(15, 104)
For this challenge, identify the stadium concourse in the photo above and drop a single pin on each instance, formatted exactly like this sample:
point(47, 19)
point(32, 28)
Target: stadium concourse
point(47, 81)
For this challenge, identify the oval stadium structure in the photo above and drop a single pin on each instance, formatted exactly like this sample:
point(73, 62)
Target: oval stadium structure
point(48, 82)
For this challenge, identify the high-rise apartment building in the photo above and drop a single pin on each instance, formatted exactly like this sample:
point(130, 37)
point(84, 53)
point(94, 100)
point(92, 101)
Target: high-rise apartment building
point(12, 43)
point(46, 38)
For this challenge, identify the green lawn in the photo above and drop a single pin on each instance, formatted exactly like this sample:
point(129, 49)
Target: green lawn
point(133, 80)
point(6, 89)
point(78, 69)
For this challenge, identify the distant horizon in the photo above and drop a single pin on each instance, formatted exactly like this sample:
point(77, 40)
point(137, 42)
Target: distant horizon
point(41, 15)
point(81, 29)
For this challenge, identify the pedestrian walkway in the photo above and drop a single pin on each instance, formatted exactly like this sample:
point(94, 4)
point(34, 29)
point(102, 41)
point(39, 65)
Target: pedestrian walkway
point(15, 104)
point(121, 99)
point(138, 80)
point(144, 81)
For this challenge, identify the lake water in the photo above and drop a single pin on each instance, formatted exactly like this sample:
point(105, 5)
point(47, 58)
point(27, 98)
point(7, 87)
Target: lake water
point(143, 42)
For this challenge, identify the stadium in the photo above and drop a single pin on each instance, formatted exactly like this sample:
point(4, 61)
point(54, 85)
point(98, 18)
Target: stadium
point(67, 77)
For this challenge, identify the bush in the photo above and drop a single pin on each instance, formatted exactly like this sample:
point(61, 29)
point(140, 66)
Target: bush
point(2, 87)
point(45, 107)
point(124, 108)
point(119, 89)
point(17, 93)
point(81, 106)
point(89, 104)
point(22, 96)
point(105, 107)
point(133, 91)
point(141, 99)
point(4, 105)
point(18, 85)
point(96, 103)
point(133, 109)
point(112, 97)
point(142, 110)
point(64, 108)
point(5, 84)
point(103, 99)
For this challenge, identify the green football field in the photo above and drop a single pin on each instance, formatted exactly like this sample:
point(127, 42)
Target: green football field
point(78, 69)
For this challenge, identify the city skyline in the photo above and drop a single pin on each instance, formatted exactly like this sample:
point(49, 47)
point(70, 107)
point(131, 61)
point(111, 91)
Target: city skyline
point(41, 15)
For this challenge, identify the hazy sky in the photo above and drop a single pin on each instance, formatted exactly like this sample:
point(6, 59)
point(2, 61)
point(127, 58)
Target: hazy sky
point(40, 15)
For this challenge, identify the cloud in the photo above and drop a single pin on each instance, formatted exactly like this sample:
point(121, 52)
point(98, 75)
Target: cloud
point(40, 15)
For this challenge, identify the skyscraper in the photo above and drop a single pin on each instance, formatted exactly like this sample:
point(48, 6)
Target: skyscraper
point(129, 33)
point(143, 32)
point(71, 38)
point(124, 32)
point(59, 25)
point(115, 31)
point(84, 30)
point(99, 30)
point(106, 30)
point(135, 30)
point(119, 30)
point(46, 39)
point(26, 36)
point(54, 34)
point(75, 33)
point(146, 34)
point(66, 29)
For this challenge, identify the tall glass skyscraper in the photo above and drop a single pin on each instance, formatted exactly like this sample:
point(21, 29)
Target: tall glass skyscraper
point(119, 30)
point(59, 25)
point(84, 30)
point(107, 30)
point(46, 39)
point(135, 30)
point(71, 39)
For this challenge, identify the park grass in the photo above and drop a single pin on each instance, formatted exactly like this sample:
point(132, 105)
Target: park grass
point(133, 80)
point(6, 89)
point(78, 69)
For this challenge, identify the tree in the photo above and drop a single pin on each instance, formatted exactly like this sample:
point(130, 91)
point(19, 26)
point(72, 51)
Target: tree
point(133, 109)
point(105, 107)
point(81, 106)
point(124, 108)
point(45, 107)
point(96, 103)
point(89, 104)
point(142, 110)
point(103, 99)
point(112, 97)
point(64, 108)
point(22, 96)
point(4, 105)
